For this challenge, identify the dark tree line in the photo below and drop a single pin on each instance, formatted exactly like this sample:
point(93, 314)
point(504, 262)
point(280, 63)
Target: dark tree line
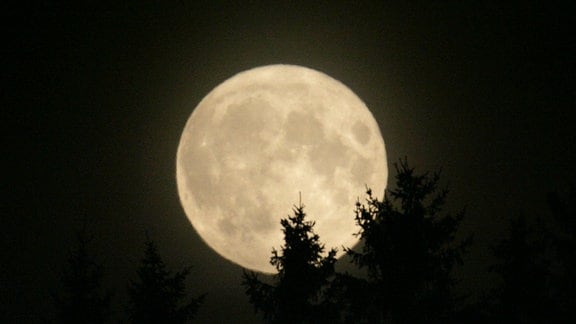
point(156, 295)
point(83, 299)
point(408, 251)
point(405, 260)
point(537, 265)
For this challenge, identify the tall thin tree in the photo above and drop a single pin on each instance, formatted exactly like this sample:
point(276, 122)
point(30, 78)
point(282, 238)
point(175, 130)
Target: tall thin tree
point(563, 249)
point(83, 299)
point(158, 296)
point(409, 250)
point(524, 268)
point(296, 296)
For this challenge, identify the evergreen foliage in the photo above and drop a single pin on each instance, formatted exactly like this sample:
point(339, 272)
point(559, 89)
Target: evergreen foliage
point(158, 296)
point(297, 295)
point(83, 300)
point(563, 249)
point(536, 263)
point(523, 267)
point(409, 250)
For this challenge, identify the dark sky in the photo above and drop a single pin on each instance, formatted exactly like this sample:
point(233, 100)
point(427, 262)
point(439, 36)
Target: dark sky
point(94, 99)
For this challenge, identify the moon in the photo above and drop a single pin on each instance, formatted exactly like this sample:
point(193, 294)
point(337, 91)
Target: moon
point(262, 137)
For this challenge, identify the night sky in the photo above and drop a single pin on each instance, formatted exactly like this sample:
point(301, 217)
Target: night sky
point(94, 99)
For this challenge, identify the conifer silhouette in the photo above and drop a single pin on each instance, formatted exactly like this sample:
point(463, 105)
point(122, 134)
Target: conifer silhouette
point(158, 296)
point(303, 272)
point(83, 299)
point(523, 265)
point(563, 250)
point(408, 249)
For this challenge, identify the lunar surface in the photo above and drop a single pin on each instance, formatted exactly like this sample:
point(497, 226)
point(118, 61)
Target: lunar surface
point(261, 137)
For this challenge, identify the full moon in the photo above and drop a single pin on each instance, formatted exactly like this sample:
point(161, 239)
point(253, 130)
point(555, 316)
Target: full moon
point(262, 137)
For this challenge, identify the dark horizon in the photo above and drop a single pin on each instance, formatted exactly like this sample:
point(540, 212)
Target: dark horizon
point(96, 98)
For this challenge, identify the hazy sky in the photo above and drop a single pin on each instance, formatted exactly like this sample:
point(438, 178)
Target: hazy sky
point(94, 100)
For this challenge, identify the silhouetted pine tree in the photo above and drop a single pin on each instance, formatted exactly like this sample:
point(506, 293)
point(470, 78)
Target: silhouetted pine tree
point(159, 296)
point(563, 245)
point(408, 249)
point(303, 272)
point(536, 263)
point(524, 267)
point(83, 299)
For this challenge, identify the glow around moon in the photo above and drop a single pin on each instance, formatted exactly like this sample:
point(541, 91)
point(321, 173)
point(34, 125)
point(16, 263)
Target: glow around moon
point(261, 137)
